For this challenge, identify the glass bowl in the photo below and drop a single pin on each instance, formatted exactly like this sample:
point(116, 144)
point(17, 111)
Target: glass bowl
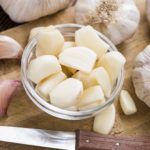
point(68, 31)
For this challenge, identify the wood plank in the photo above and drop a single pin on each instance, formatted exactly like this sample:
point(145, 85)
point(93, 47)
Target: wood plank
point(22, 112)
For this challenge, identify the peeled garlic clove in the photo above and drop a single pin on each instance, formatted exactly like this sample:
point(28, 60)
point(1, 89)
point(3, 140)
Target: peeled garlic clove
point(87, 37)
point(91, 95)
point(27, 10)
point(90, 106)
point(46, 85)
point(72, 108)
point(7, 90)
point(9, 48)
point(68, 44)
point(49, 43)
point(141, 76)
point(113, 62)
point(36, 30)
point(104, 121)
point(66, 93)
point(79, 58)
point(87, 79)
point(103, 79)
point(117, 19)
point(127, 104)
point(42, 67)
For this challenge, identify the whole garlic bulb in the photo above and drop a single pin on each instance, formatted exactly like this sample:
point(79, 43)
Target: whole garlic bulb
point(141, 75)
point(117, 19)
point(148, 10)
point(27, 10)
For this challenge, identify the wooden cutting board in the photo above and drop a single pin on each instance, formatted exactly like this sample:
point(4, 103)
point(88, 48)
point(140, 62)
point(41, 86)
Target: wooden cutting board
point(22, 112)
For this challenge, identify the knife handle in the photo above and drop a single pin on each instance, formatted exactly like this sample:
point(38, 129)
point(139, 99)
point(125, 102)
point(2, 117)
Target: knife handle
point(86, 140)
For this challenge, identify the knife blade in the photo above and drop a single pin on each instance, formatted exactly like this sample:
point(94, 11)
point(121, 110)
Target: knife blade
point(38, 137)
point(81, 140)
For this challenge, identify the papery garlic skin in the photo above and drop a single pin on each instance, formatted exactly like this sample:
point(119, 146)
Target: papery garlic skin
point(7, 90)
point(141, 76)
point(148, 10)
point(27, 10)
point(118, 25)
point(9, 48)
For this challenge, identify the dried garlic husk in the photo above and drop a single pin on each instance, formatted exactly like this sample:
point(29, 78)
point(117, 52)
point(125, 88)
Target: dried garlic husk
point(28, 10)
point(117, 19)
point(7, 90)
point(141, 75)
point(9, 48)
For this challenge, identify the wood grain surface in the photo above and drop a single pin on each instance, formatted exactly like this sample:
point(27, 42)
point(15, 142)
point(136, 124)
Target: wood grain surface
point(22, 112)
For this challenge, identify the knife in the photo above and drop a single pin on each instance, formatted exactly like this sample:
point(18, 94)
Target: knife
point(79, 140)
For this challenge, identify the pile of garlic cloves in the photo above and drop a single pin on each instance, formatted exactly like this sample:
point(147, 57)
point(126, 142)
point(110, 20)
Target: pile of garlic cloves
point(76, 75)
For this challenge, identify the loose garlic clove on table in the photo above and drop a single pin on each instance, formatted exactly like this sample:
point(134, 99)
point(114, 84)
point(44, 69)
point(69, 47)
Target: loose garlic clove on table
point(80, 58)
point(42, 67)
point(127, 104)
point(113, 62)
point(91, 95)
point(104, 121)
point(46, 85)
point(66, 93)
point(49, 43)
point(87, 37)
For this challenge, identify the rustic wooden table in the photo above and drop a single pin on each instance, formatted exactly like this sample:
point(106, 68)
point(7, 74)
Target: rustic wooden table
point(22, 112)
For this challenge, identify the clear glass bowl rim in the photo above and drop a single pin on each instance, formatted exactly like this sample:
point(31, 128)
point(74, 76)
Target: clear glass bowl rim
point(53, 110)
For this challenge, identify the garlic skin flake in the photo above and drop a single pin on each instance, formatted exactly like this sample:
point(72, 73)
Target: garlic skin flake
point(9, 48)
point(7, 90)
point(141, 76)
point(117, 19)
point(27, 10)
